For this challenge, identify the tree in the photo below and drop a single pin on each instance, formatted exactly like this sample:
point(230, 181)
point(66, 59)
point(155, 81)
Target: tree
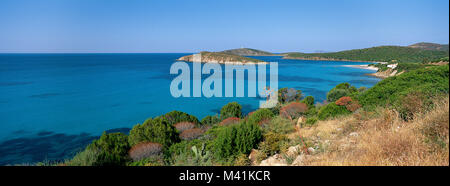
point(157, 130)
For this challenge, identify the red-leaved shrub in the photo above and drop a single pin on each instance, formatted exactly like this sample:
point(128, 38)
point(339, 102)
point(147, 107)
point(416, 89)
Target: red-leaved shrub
point(229, 121)
point(144, 150)
point(293, 110)
point(343, 101)
point(191, 134)
point(182, 126)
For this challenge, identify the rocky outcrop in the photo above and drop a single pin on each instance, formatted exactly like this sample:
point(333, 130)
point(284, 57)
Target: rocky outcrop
point(385, 74)
point(219, 57)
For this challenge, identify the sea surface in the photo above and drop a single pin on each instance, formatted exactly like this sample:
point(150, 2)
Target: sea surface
point(53, 105)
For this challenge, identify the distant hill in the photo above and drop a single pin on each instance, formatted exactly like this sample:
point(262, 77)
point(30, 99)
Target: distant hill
point(220, 57)
point(247, 52)
point(430, 46)
point(376, 54)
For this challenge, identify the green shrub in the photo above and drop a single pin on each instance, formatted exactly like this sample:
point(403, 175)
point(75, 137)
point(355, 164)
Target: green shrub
point(210, 120)
point(157, 130)
point(109, 149)
point(286, 95)
point(87, 157)
point(273, 143)
point(174, 117)
point(260, 115)
point(429, 81)
point(309, 100)
point(279, 125)
point(332, 110)
point(232, 109)
point(341, 90)
point(236, 139)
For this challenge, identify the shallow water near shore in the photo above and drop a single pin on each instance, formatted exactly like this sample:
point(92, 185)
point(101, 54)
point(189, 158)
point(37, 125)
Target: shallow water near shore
point(52, 105)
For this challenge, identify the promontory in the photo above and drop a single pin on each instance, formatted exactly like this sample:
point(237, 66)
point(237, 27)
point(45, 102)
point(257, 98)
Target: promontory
point(219, 57)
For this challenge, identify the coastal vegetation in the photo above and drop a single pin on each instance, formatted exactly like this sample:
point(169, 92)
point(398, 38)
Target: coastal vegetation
point(397, 54)
point(402, 120)
point(247, 52)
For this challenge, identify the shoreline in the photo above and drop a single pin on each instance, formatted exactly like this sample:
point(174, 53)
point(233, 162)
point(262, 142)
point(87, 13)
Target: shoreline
point(367, 67)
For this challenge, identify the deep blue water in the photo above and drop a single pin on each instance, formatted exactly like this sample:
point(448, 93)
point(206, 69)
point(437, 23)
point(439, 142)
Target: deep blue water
point(52, 105)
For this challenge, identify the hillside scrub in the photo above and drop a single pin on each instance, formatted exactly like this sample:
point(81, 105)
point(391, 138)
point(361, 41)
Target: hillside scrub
point(383, 138)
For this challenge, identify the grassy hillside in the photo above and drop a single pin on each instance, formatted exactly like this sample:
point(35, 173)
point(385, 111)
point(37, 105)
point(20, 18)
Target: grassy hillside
point(247, 52)
point(376, 54)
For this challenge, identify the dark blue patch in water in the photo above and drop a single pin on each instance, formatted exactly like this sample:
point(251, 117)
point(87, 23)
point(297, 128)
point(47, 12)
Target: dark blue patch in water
point(45, 95)
point(51, 147)
point(124, 130)
point(5, 84)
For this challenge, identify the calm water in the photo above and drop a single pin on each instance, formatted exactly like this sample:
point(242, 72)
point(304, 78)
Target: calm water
point(52, 105)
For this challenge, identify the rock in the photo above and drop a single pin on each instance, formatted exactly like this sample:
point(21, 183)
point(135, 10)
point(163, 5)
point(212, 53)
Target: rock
point(354, 134)
point(298, 161)
point(253, 155)
point(311, 150)
point(301, 120)
point(275, 160)
point(293, 151)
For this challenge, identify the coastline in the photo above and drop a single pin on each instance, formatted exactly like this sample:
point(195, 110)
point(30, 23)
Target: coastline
point(367, 67)
point(381, 75)
point(331, 59)
point(228, 62)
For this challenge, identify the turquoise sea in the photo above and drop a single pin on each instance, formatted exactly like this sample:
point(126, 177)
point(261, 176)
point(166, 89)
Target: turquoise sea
point(53, 105)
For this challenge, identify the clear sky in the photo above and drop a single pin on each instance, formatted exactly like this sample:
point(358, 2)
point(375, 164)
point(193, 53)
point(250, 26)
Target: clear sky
point(197, 25)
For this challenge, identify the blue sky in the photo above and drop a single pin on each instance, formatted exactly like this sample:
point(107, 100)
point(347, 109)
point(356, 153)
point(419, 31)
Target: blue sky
point(197, 25)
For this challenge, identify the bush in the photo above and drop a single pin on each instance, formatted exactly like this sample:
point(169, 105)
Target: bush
point(109, 149)
point(191, 134)
point(279, 125)
point(177, 117)
point(145, 150)
point(344, 101)
point(273, 143)
point(236, 139)
point(232, 109)
point(88, 157)
point(286, 95)
point(156, 130)
point(182, 126)
point(293, 110)
point(210, 120)
point(341, 90)
point(259, 116)
point(229, 121)
point(332, 110)
point(309, 100)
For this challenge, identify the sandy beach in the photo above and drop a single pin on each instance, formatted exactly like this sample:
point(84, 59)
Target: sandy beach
point(362, 67)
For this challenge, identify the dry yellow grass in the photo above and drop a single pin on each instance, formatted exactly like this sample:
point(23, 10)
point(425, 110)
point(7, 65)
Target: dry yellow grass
point(382, 140)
